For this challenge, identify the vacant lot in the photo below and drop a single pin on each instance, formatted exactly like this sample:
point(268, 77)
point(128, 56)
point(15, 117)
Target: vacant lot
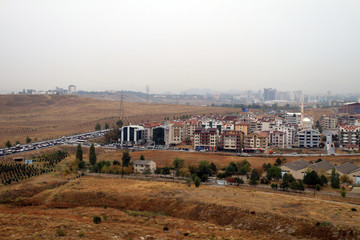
point(131, 209)
point(48, 116)
point(165, 158)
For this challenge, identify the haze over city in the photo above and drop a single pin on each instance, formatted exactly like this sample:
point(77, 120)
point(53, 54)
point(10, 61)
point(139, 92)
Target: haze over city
point(175, 46)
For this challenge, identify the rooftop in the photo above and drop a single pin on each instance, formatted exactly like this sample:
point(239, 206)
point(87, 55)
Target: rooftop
point(297, 165)
point(346, 168)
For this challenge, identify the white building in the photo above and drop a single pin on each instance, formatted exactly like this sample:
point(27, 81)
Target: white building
point(290, 133)
point(293, 118)
point(308, 138)
point(72, 89)
point(132, 135)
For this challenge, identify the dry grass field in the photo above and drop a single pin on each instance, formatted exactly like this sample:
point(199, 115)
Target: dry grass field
point(135, 209)
point(165, 158)
point(49, 116)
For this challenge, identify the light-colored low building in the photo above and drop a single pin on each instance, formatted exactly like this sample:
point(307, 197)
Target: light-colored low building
point(296, 168)
point(140, 166)
point(322, 167)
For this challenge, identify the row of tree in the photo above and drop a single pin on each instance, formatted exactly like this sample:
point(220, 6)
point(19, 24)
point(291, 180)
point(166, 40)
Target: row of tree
point(8, 143)
point(15, 172)
point(119, 124)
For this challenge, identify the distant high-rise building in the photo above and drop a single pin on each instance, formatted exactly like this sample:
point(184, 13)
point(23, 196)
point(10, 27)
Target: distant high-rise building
point(269, 94)
point(72, 89)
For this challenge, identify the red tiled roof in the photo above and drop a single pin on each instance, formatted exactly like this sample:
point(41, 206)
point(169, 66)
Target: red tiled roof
point(349, 127)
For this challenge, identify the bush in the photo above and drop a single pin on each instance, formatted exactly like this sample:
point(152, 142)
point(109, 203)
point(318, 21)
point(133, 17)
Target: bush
point(61, 232)
point(354, 209)
point(197, 181)
point(343, 193)
point(97, 220)
point(274, 186)
point(81, 234)
point(318, 187)
point(239, 180)
point(166, 228)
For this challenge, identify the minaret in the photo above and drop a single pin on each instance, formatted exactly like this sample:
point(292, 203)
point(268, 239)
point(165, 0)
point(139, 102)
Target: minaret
point(302, 113)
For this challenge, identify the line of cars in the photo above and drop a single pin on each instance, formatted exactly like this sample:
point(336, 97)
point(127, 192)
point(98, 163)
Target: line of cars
point(70, 140)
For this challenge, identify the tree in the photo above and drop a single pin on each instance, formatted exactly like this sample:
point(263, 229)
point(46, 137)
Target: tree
point(324, 180)
point(125, 162)
point(147, 171)
point(165, 171)
point(301, 186)
point(142, 157)
point(112, 136)
point(312, 178)
point(97, 127)
point(204, 170)
point(266, 166)
point(106, 126)
point(213, 168)
point(157, 171)
point(278, 162)
point(345, 179)
point(126, 159)
point(17, 142)
point(254, 177)
point(28, 140)
point(92, 155)
point(119, 123)
point(334, 179)
point(273, 173)
point(79, 152)
point(8, 144)
point(178, 164)
point(81, 164)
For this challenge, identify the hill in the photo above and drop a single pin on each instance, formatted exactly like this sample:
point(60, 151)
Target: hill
point(48, 116)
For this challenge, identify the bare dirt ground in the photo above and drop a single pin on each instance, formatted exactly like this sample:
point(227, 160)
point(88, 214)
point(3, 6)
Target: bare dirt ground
point(47, 206)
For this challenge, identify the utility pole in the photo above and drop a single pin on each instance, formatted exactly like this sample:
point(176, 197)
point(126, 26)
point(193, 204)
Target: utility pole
point(121, 109)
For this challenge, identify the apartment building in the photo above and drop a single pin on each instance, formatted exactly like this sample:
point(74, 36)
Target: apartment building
point(231, 140)
point(177, 132)
point(289, 132)
point(206, 139)
point(242, 126)
point(256, 142)
point(349, 135)
point(275, 138)
point(308, 138)
point(328, 122)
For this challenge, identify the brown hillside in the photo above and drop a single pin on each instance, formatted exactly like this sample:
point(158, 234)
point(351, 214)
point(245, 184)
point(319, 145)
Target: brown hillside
point(49, 116)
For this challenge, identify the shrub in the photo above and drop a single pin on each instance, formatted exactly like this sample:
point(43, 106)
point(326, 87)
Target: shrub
point(197, 181)
point(60, 232)
point(188, 182)
point(343, 193)
point(81, 234)
point(318, 187)
point(97, 220)
point(166, 228)
point(239, 180)
point(354, 209)
point(274, 186)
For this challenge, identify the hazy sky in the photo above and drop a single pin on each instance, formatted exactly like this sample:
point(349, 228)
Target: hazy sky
point(176, 45)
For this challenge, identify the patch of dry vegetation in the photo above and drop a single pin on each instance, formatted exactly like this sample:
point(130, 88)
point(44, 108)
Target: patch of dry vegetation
point(49, 116)
point(133, 208)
